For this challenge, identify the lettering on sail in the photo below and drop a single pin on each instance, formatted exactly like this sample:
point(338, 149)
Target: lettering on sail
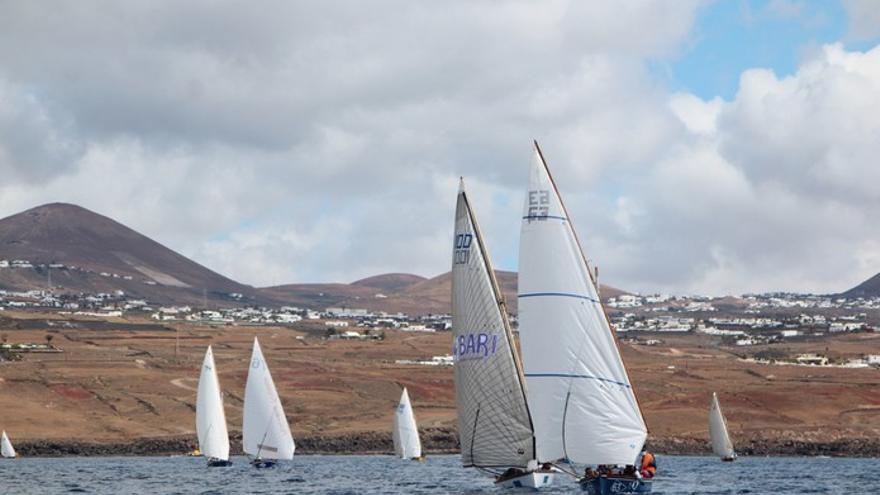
point(474, 346)
point(539, 204)
point(462, 254)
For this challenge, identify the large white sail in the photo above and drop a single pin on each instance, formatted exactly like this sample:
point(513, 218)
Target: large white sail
point(721, 444)
point(265, 433)
point(405, 433)
point(210, 418)
point(582, 404)
point(6, 449)
point(493, 418)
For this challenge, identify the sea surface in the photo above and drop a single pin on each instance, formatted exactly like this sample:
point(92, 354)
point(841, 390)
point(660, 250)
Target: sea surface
point(440, 474)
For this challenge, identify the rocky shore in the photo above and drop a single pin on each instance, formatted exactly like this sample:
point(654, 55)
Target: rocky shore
point(436, 441)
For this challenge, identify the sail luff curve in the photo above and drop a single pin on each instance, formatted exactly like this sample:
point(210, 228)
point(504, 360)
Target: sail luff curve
point(581, 399)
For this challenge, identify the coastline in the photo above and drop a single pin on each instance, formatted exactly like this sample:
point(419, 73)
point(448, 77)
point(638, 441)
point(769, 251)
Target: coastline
point(434, 440)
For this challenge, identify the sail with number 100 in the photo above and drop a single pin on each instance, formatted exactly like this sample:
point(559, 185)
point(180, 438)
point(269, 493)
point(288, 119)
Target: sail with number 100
point(493, 418)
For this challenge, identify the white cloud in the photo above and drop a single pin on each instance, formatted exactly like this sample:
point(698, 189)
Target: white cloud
point(323, 141)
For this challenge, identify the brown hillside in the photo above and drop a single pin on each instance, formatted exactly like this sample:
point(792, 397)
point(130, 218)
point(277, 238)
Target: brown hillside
point(426, 296)
point(89, 244)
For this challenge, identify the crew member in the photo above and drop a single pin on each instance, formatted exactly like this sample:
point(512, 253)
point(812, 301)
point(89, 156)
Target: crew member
point(649, 465)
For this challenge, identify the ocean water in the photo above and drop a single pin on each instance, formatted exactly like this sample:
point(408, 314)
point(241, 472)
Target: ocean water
point(340, 475)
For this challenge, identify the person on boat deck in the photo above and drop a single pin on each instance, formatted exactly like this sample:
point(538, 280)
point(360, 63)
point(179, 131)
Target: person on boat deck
point(649, 464)
point(546, 467)
point(629, 471)
point(590, 473)
point(604, 470)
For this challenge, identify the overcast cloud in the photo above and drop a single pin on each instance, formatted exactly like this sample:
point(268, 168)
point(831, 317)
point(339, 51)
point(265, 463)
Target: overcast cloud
point(322, 141)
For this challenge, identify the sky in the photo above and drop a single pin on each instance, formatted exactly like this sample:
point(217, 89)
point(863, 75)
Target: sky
point(701, 147)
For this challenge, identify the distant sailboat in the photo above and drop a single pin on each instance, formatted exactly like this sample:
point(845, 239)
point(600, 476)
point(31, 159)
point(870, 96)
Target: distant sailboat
point(265, 433)
point(494, 423)
point(721, 444)
point(405, 432)
point(6, 449)
point(580, 396)
point(210, 418)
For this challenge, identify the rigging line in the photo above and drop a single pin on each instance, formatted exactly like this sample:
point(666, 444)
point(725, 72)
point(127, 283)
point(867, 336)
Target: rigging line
point(563, 470)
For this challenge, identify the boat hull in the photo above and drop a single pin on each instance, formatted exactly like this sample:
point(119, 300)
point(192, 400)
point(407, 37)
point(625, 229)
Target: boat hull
point(614, 486)
point(263, 463)
point(728, 459)
point(218, 463)
point(533, 480)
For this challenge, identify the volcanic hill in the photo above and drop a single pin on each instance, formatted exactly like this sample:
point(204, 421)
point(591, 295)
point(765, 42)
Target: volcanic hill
point(868, 288)
point(77, 250)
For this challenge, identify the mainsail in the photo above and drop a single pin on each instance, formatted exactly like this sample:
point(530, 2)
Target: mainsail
point(405, 433)
point(721, 444)
point(582, 403)
point(210, 418)
point(265, 433)
point(6, 449)
point(493, 418)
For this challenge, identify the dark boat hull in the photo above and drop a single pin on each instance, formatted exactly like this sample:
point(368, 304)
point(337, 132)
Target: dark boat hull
point(262, 463)
point(615, 486)
point(218, 463)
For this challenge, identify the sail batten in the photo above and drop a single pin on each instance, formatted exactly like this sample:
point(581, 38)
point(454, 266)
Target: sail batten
point(265, 430)
point(494, 421)
point(580, 396)
point(406, 433)
point(210, 417)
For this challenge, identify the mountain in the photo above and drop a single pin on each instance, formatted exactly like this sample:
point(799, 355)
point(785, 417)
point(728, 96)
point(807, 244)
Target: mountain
point(390, 281)
point(76, 250)
point(89, 252)
point(866, 289)
point(419, 296)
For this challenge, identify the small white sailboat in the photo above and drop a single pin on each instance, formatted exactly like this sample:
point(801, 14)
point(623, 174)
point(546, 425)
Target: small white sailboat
point(721, 444)
point(495, 425)
point(266, 436)
point(405, 432)
point(210, 418)
point(581, 400)
point(6, 449)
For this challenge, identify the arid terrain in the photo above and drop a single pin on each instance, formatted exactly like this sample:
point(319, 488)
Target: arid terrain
point(121, 381)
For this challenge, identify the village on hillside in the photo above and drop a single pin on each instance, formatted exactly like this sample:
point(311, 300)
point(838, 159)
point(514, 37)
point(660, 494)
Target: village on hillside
point(751, 320)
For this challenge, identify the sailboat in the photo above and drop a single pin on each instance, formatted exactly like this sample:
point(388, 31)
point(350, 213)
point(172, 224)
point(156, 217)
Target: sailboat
point(265, 432)
point(210, 418)
point(721, 444)
point(581, 399)
point(6, 449)
point(494, 422)
point(405, 432)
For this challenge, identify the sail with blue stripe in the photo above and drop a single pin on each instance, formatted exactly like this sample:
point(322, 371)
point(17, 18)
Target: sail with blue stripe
point(579, 394)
